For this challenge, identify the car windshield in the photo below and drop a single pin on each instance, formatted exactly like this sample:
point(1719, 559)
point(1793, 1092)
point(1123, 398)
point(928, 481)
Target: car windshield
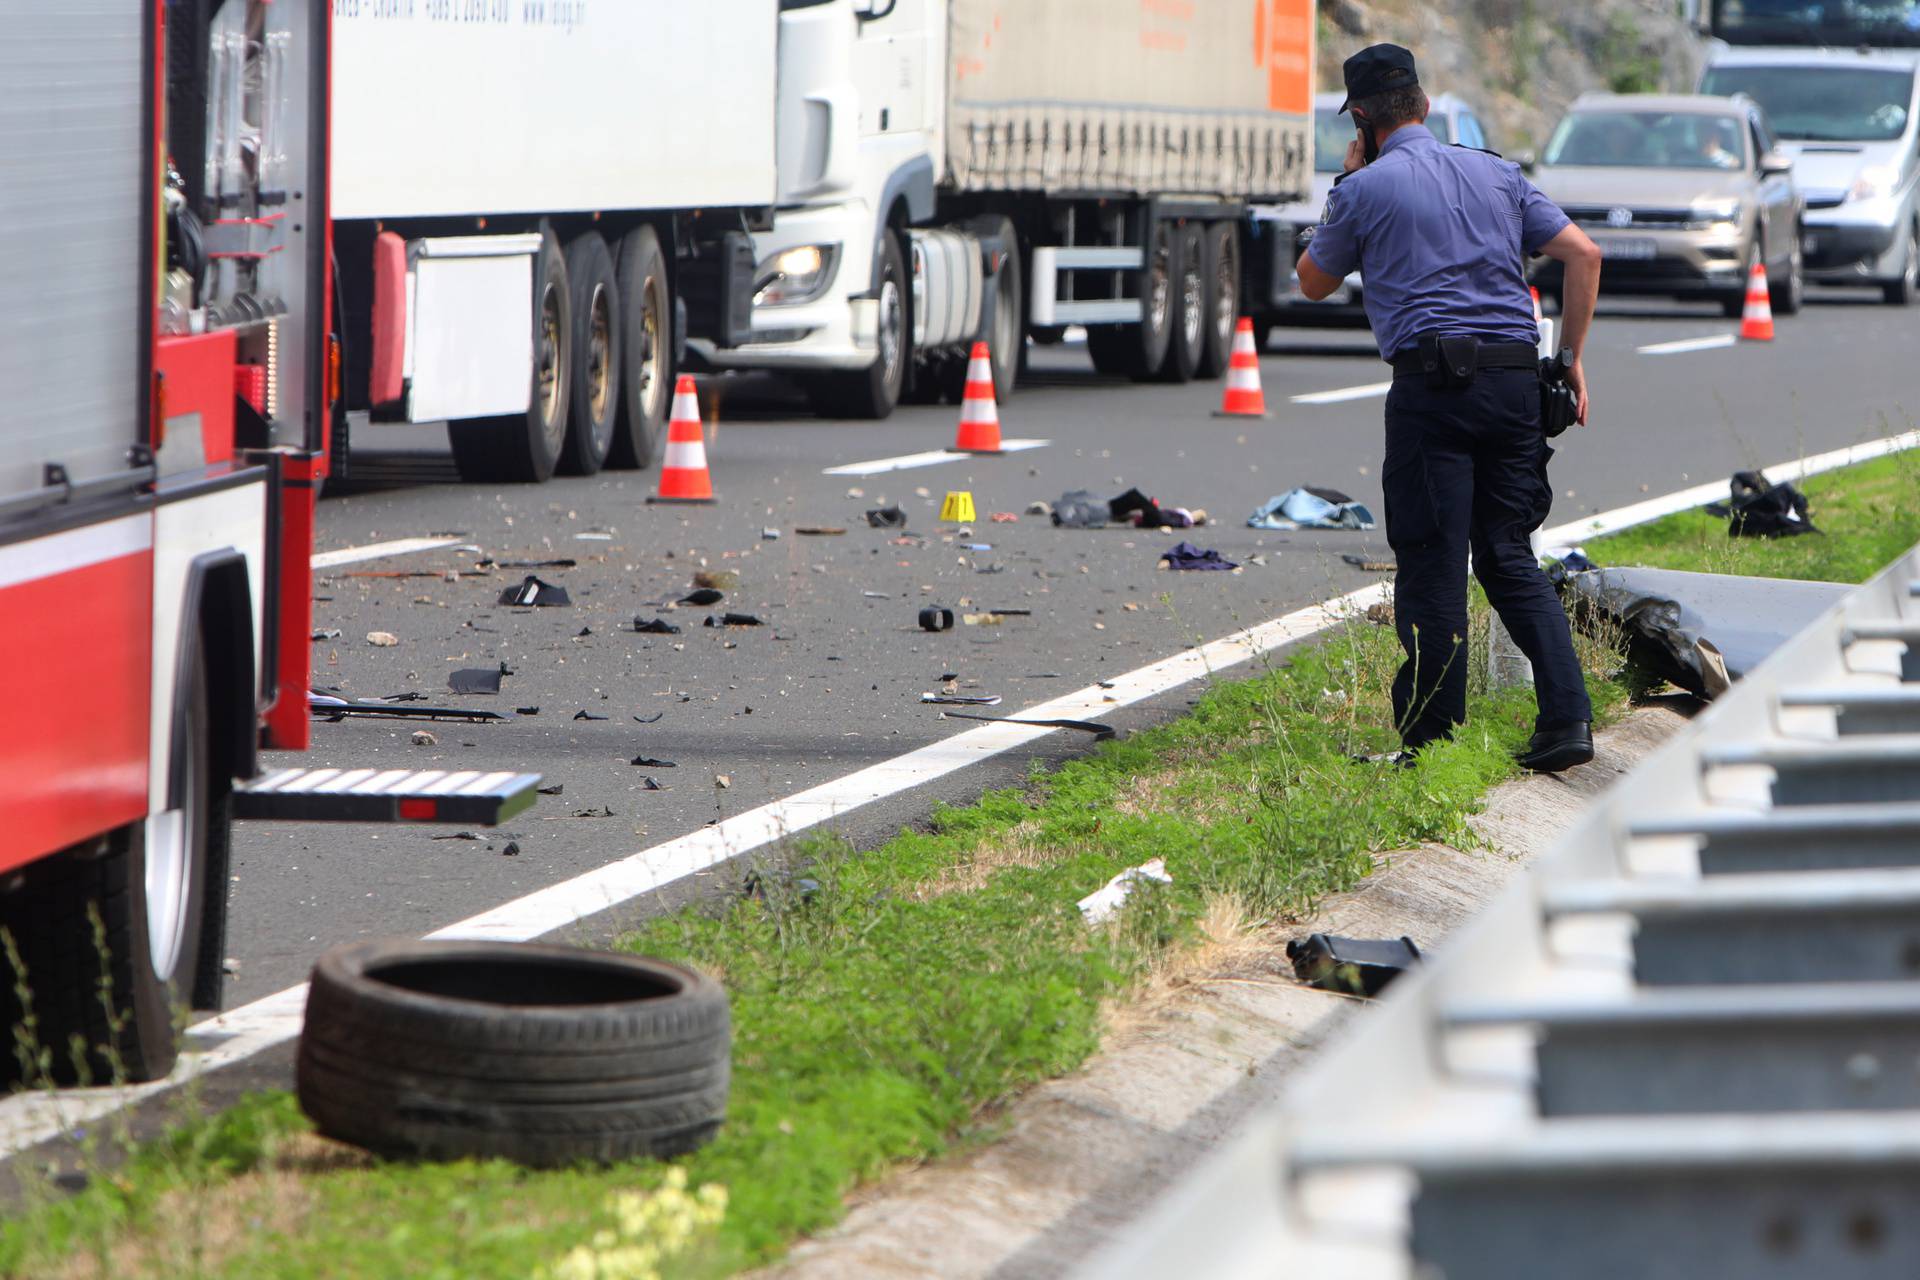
point(1823, 104)
point(1333, 131)
point(1647, 140)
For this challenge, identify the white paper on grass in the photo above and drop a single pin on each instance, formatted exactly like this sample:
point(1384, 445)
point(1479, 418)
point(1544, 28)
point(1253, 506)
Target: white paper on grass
point(1100, 905)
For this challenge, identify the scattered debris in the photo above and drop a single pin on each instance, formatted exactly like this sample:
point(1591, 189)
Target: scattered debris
point(649, 762)
point(983, 619)
point(1758, 508)
point(512, 849)
point(770, 535)
point(764, 884)
point(818, 530)
point(733, 620)
point(1380, 613)
point(382, 639)
point(654, 626)
point(936, 619)
point(553, 790)
point(533, 592)
point(425, 738)
point(1004, 517)
point(651, 783)
point(719, 579)
point(1038, 508)
point(722, 781)
point(562, 563)
point(876, 595)
point(1370, 564)
point(527, 711)
point(1184, 555)
point(584, 714)
point(333, 710)
point(1311, 507)
point(477, 679)
point(460, 835)
point(1100, 732)
point(583, 633)
point(962, 699)
point(327, 633)
point(655, 718)
point(1354, 966)
point(1079, 509)
point(1100, 905)
point(703, 597)
point(593, 537)
point(604, 811)
point(887, 518)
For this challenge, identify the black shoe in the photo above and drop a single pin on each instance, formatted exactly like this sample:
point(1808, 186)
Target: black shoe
point(1556, 750)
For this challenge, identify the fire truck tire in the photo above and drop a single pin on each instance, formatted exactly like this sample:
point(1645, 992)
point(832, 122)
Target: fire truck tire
point(543, 1055)
point(646, 376)
point(525, 447)
point(593, 399)
point(139, 893)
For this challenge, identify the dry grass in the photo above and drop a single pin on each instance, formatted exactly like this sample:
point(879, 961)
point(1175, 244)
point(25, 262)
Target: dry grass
point(1017, 847)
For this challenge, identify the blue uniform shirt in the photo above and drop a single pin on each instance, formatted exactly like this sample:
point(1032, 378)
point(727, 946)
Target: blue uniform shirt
point(1440, 235)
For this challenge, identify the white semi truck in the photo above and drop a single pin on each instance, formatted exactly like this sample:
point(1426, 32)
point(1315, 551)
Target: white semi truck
point(961, 169)
point(536, 202)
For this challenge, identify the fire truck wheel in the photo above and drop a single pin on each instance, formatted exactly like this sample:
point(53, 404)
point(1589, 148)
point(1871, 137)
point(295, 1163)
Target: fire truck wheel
point(525, 447)
point(125, 924)
point(593, 401)
point(646, 376)
point(543, 1055)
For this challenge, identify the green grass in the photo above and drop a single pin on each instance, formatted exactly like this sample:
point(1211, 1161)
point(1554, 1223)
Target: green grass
point(876, 1019)
point(1869, 515)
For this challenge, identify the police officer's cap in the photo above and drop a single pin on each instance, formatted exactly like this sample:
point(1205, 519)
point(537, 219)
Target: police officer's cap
point(1376, 69)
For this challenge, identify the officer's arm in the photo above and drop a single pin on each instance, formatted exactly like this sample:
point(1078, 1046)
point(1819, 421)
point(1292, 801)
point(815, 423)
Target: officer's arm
point(1315, 284)
point(1581, 258)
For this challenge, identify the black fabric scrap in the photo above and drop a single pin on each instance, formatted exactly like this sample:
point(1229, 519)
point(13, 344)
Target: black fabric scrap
point(649, 762)
point(1135, 507)
point(733, 620)
point(703, 596)
point(527, 711)
point(654, 627)
point(1184, 555)
point(553, 790)
point(584, 714)
point(533, 591)
point(1758, 508)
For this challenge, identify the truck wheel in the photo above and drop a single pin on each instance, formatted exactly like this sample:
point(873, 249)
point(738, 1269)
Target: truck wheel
point(1223, 297)
point(1188, 318)
point(525, 447)
point(593, 399)
point(1048, 335)
point(646, 337)
point(151, 901)
point(1009, 337)
point(873, 392)
point(1111, 347)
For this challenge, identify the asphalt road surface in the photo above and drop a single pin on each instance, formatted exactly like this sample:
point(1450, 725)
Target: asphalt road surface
point(832, 682)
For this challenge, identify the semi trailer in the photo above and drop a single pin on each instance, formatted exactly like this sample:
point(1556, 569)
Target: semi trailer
point(955, 170)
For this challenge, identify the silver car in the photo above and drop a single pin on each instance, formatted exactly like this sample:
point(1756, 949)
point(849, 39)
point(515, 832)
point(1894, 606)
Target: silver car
point(1851, 121)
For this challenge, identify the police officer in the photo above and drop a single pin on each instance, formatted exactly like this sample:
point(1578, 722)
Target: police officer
point(1441, 236)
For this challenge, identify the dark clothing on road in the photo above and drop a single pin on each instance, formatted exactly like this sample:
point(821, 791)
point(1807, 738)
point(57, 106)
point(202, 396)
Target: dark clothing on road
point(1467, 470)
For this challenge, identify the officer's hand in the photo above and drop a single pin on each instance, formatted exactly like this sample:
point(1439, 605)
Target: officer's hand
point(1356, 155)
point(1577, 379)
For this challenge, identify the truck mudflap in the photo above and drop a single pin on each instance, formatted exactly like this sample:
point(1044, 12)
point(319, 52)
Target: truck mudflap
point(386, 795)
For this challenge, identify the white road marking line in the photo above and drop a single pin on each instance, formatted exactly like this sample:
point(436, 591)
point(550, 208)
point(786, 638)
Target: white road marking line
point(1345, 393)
point(225, 1039)
point(373, 551)
point(1685, 345)
point(908, 461)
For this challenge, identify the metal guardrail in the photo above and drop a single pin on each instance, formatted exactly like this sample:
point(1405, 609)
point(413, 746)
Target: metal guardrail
point(1687, 1044)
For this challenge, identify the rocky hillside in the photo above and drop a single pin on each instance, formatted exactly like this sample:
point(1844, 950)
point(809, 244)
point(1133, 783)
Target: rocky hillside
point(1520, 61)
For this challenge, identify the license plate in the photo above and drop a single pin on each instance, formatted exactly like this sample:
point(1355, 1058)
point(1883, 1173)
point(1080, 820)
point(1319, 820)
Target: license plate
point(1634, 249)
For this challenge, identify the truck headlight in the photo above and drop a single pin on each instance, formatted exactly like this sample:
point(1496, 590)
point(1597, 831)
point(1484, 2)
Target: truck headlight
point(1874, 181)
point(795, 275)
point(1709, 213)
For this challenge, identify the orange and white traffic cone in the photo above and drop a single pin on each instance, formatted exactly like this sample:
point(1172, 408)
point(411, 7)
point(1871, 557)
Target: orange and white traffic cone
point(683, 471)
point(1542, 325)
point(1757, 323)
point(1538, 314)
point(979, 415)
point(1243, 397)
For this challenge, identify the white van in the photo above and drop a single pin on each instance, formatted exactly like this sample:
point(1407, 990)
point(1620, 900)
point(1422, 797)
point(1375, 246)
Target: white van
point(1851, 121)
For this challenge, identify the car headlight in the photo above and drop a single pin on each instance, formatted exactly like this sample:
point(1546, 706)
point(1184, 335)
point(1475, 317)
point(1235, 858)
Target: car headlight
point(1874, 181)
point(1708, 212)
point(795, 275)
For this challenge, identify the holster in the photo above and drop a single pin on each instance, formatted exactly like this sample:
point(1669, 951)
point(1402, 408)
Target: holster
point(1449, 363)
point(1558, 404)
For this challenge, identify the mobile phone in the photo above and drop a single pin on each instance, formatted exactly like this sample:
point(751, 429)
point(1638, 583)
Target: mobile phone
point(1369, 149)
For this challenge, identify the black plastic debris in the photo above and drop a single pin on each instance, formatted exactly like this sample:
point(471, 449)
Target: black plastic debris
point(527, 711)
point(936, 619)
point(477, 679)
point(1355, 966)
point(1100, 732)
point(554, 790)
point(588, 715)
point(1079, 509)
point(459, 835)
point(655, 718)
point(1372, 564)
point(604, 811)
point(887, 518)
point(583, 633)
point(333, 710)
point(1701, 631)
point(733, 620)
point(1184, 555)
point(703, 596)
point(327, 633)
point(656, 626)
point(650, 762)
point(534, 592)
point(651, 783)
point(1758, 508)
point(512, 849)
point(962, 699)
point(528, 564)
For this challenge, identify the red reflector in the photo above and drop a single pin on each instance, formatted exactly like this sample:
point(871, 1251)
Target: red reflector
point(419, 810)
point(250, 383)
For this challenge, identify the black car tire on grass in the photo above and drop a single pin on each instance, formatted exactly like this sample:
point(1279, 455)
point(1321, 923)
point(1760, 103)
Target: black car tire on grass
point(543, 1055)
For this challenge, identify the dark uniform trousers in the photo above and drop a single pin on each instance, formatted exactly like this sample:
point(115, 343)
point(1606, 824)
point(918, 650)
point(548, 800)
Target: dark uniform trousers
point(1467, 469)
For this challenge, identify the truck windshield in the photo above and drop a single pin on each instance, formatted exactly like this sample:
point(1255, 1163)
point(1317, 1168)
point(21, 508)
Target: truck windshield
point(1333, 131)
point(1823, 104)
point(1838, 23)
point(1647, 140)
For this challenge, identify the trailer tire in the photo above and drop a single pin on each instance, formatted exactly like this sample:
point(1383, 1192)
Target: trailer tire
point(1111, 348)
point(593, 396)
point(646, 374)
point(872, 393)
point(1223, 297)
point(521, 448)
point(1008, 337)
point(140, 893)
point(544, 1055)
point(1187, 313)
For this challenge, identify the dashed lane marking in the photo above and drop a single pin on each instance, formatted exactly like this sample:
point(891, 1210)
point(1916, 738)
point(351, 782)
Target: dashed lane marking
point(1685, 345)
point(373, 551)
point(1344, 394)
point(907, 461)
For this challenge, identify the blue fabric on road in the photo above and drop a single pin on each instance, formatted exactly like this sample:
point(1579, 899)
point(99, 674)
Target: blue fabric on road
point(1302, 509)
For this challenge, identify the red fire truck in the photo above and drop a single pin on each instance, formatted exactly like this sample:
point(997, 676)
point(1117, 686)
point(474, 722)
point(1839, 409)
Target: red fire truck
point(167, 369)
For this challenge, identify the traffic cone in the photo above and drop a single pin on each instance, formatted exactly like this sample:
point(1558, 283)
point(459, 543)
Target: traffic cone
point(1543, 325)
point(1243, 397)
point(683, 472)
point(979, 415)
point(1538, 314)
point(1757, 322)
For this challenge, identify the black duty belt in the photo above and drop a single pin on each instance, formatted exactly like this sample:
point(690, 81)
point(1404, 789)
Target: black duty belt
point(1491, 355)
